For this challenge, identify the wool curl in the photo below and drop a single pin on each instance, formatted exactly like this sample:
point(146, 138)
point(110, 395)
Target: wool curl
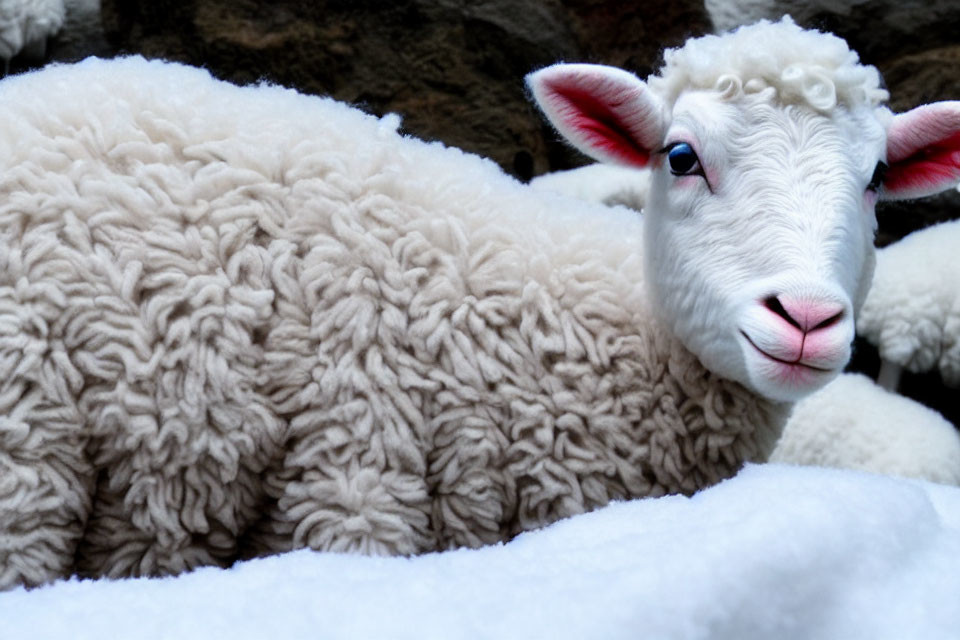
point(800, 66)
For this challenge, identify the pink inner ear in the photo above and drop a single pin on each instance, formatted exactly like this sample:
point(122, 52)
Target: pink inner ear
point(923, 150)
point(927, 169)
point(596, 123)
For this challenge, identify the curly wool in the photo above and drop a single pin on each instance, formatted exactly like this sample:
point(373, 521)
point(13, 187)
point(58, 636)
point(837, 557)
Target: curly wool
point(800, 66)
point(235, 321)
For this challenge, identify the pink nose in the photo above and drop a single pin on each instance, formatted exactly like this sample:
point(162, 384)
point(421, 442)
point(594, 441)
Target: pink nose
point(805, 315)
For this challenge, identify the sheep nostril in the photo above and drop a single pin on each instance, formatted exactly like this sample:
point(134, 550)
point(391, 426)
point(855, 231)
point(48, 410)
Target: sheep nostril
point(773, 304)
point(829, 322)
point(805, 315)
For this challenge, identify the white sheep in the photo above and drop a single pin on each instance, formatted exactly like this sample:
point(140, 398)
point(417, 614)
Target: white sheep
point(25, 25)
point(235, 321)
point(729, 14)
point(854, 424)
point(912, 314)
point(603, 183)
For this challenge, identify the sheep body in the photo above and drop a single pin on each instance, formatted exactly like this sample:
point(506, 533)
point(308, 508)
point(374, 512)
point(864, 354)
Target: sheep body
point(602, 183)
point(729, 14)
point(854, 424)
point(912, 313)
point(239, 320)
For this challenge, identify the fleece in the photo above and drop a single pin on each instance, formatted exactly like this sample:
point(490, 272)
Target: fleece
point(912, 313)
point(236, 321)
point(852, 423)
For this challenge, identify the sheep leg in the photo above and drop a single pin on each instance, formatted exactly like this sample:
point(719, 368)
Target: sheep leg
point(45, 477)
point(181, 453)
point(356, 509)
point(150, 519)
point(353, 480)
point(43, 505)
point(45, 486)
point(146, 539)
point(889, 375)
point(473, 496)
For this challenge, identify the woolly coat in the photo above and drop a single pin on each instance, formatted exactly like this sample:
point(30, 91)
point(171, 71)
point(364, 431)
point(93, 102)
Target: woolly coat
point(854, 424)
point(912, 313)
point(236, 321)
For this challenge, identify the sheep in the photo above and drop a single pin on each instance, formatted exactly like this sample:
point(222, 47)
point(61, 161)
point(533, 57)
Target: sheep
point(912, 314)
point(852, 423)
point(25, 26)
point(239, 320)
point(604, 183)
point(728, 14)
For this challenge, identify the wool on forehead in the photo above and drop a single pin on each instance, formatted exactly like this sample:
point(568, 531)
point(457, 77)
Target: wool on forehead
point(801, 66)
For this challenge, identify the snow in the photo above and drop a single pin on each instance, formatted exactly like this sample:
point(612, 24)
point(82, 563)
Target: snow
point(777, 552)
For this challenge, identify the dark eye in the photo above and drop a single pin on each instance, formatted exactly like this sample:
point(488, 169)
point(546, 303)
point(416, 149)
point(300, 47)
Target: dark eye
point(878, 175)
point(683, 161)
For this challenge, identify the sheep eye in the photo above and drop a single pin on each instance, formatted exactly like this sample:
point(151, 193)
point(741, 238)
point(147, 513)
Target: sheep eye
point(683, 161)
point(878, 175)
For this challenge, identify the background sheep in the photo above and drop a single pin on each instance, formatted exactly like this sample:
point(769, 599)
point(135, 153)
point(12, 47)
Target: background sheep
point(25, 26)
point(729, 14)
point(602, 183)
point(912, 313)
point(852, 423)
point(226, 333)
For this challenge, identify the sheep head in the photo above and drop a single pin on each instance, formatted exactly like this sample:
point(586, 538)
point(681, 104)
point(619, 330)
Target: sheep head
point(760, 217)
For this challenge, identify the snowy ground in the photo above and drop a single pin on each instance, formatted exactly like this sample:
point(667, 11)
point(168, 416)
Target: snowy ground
point(777, 552)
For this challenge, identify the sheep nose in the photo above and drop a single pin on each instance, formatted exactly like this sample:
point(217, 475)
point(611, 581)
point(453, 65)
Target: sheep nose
point(805, 315)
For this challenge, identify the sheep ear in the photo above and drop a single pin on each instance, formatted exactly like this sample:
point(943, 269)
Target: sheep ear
point(923, 151)
point(605, 112)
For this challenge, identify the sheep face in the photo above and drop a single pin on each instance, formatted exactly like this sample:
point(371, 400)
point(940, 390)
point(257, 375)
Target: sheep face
point(760, 214)
point(759, 235)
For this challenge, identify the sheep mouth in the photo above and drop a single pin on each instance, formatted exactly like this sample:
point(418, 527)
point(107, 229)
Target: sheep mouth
point(795, 363)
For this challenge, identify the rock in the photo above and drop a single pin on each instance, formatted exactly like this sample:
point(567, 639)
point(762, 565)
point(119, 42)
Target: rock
point(922, 77)
point(82, 33)
point(452, 68)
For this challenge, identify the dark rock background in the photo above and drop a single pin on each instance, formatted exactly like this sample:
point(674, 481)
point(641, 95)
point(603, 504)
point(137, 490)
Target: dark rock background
point(454, 68)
